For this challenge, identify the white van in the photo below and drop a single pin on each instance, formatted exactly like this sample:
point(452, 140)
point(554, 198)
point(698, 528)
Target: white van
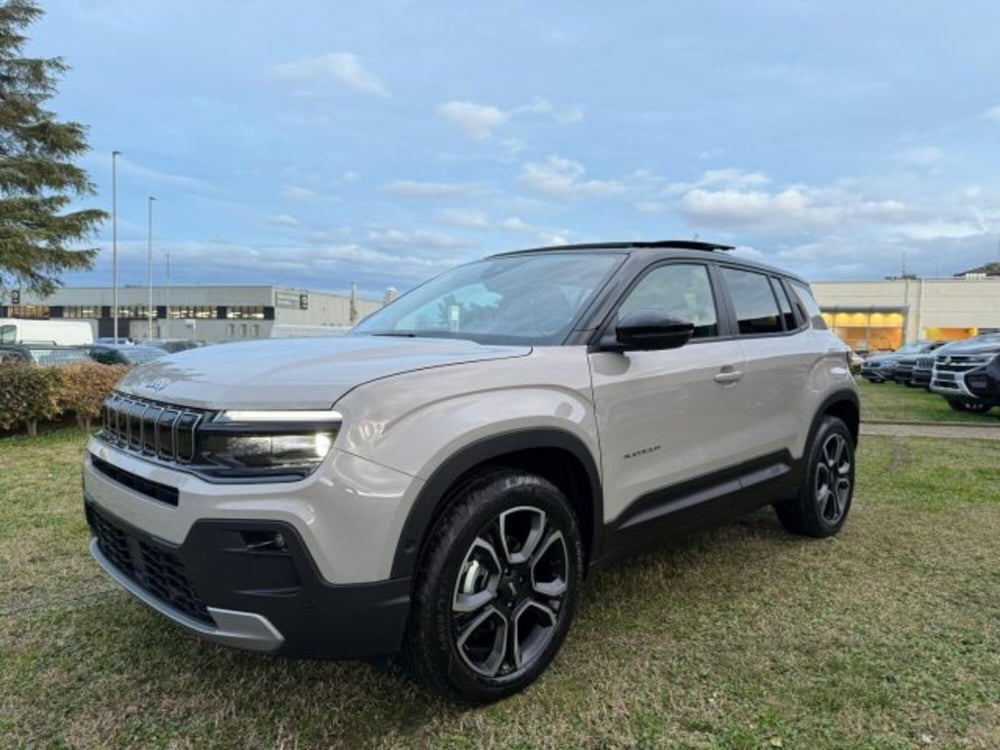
point(61, 332)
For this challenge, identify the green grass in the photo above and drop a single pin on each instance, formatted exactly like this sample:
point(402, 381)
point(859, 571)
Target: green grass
point(897, 403)
point(887, 636)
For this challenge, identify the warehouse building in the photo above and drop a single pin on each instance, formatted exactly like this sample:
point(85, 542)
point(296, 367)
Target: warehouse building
point(883, 315)
point(204, 313)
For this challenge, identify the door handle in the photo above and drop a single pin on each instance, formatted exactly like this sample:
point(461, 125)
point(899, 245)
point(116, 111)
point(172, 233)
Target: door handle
point(728, 375)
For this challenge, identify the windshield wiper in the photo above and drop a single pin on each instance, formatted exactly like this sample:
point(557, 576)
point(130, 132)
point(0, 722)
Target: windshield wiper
point(400, 334)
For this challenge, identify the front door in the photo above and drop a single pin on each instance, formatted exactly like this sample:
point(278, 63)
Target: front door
point(668, 419)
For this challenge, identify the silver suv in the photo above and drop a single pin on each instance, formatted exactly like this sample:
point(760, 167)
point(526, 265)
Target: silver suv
point(438, 484)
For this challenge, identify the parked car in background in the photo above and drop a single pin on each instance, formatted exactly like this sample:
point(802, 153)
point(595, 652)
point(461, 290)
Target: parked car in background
point(131, 354)
point(948, 377)
point(984, 382)
point(42, 354)
point(881, 367)
point(172, 345)
point(924, 366)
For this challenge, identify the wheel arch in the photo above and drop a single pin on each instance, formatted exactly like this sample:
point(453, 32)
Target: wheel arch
point(556, 455)
point(843, 404)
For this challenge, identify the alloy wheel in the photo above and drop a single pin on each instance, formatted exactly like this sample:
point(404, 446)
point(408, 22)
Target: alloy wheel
point(510, 592)
point(833, 478)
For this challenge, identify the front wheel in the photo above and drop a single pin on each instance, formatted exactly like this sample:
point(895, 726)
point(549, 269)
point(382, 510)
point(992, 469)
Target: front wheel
point(824, 498)
point(496, 589)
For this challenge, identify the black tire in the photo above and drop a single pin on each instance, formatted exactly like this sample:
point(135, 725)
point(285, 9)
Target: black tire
point(466, 562)
point(824, 498)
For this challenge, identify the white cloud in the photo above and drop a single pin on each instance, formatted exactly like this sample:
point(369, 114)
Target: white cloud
point(941, 229)
point(516, 224)
point(542, 106)
point(475, 120)
point(282, 220)
point(136, 172)
point(297, 193)
point(559, 177)
point(730, 177)
point(478, 121)
point(920, 156)
point(993, 114)
point(465, 218)
point(793, 209)
point(343, 67)
point(421, 189)
point(418, 239)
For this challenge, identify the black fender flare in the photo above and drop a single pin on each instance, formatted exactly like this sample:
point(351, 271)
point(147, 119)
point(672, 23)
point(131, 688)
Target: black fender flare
point(428, 504)
point(844, 395)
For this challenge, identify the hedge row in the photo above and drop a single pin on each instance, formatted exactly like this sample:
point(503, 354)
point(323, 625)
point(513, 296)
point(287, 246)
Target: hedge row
point(31, 394)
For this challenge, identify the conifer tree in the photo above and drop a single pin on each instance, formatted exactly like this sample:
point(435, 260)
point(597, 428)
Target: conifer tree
point(39, 237)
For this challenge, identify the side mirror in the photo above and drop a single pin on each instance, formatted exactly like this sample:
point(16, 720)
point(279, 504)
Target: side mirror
point(649, 330)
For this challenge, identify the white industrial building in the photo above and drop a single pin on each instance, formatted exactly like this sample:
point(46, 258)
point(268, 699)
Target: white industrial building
point(205, 313)
point(875, 315)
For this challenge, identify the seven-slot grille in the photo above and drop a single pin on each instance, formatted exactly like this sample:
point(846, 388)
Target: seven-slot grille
point(925, 363)
point(153, 567)
point(151, 428)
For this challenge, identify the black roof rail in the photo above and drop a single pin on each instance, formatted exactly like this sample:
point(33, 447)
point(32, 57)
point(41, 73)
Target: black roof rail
point(685, 245)
point(677, 244)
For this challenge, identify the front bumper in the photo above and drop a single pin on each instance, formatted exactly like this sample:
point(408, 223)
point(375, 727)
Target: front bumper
point(222, 585)
point(192, 550)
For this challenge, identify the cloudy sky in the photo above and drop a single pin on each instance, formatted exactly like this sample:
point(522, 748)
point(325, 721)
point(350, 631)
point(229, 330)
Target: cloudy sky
point(314, 143)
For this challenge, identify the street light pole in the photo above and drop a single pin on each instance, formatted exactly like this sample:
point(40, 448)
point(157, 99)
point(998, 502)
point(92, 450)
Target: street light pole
point(149, 267)
point(114, 238)
point(166, 325)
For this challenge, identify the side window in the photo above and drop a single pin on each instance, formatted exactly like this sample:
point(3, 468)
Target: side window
point(807, 301)
point(679, 289)
point(756, 308)
point(791, 323)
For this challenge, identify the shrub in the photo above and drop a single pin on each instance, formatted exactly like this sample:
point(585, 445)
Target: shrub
point(27, 394)
point(83, 386)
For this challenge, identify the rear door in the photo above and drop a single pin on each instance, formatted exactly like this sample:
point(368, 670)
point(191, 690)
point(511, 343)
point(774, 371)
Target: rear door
point(777, 361)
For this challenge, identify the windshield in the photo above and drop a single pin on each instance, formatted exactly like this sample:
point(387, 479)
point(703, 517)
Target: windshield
point(517, 299)
point(137, 355)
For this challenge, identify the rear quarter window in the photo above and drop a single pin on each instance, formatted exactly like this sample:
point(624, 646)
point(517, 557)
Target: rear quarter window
point(808, 306)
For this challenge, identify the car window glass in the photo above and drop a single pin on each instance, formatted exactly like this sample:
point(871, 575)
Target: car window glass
point(532, 298)
point(679, 289)
point(786, 307)
point(756, 309)
point(806, 299)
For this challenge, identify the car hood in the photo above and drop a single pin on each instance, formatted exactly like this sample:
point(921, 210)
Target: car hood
point(306, 373)
point(971, 348)
point(881, 359)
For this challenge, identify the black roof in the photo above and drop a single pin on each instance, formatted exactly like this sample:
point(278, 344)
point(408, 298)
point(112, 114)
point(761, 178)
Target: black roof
point(681, 248)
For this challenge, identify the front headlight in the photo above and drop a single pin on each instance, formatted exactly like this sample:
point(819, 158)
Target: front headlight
point(246, 444)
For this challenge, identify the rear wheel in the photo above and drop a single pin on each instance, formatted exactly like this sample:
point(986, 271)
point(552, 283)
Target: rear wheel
point(496, 589)
point(824, 498)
